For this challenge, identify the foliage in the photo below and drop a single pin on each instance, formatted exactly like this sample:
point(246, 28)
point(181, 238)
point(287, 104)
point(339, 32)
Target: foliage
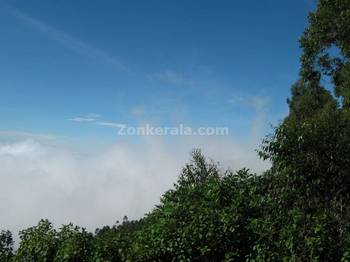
point(74, 244)
point(38, 243)
point(6, 245)
point(326, 48)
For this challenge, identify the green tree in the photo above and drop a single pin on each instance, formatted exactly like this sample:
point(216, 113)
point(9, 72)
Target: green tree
point(326, 47)
point(310, 151)
point(38, 243)
point(107, 244)
point(73, 244)
point(6, 246)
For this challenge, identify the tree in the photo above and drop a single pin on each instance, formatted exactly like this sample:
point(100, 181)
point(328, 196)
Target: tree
point(6, 246)
point(38, 243)
point(310, 150)
point(326, 47)
point(107, 244)
point(313, 141)
point(73, 244)
point(198, 170)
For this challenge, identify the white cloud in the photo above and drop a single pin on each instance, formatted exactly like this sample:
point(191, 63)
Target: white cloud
point(82, 119)
point(19, 149)
point(41, 180)
point(92, 117)
point(111, 124)
point(68, 41)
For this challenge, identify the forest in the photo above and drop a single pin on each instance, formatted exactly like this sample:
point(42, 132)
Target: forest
point(298, 210)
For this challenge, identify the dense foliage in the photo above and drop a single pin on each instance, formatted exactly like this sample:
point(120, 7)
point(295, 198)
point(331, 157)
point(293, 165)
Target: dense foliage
point(298, 210)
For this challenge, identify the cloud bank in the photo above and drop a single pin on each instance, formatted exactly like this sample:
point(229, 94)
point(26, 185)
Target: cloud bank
point(48, 180)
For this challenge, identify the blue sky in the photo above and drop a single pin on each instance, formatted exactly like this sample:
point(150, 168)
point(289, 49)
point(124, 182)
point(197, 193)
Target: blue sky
point(164, 62)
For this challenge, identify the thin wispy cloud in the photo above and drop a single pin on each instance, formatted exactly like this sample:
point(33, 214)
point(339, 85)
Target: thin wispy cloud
point(171, 77)
point(68, 41)
point(82, 119)
point(94, 115)
point(236, 99)
point(10, 135)
point(260, 104)
point(111, 124)
point(137, 111)
point(91, 117)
